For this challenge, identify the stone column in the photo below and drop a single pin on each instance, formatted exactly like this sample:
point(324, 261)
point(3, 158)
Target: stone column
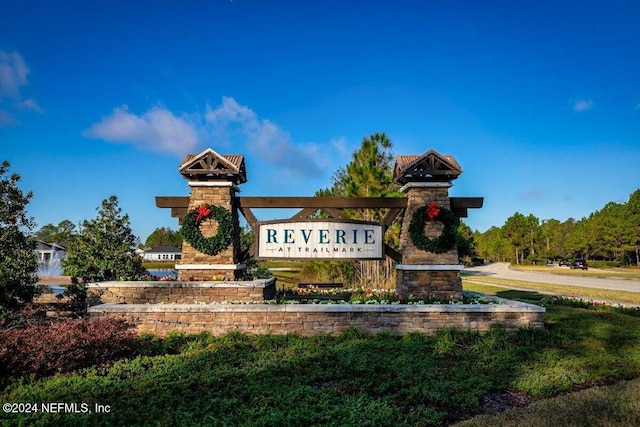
point(196, 266)
point(424, 274)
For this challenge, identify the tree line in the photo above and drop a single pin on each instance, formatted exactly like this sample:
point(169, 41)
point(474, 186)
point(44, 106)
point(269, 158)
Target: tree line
point(609, 234)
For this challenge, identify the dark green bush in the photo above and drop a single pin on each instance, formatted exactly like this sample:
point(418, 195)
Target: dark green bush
point(604, 264)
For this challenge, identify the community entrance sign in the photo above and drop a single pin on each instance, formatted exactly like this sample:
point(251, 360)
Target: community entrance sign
point(426, 262)
point(321, 239)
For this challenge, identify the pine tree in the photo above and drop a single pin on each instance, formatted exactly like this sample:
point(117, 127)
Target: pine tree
point(369, 174)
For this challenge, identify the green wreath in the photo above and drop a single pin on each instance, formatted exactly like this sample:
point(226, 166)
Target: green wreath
point(443, 243)
point(191, 229)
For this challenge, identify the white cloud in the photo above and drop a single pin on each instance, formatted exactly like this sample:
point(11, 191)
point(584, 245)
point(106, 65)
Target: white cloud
point(264, 138)
point(228, 124)
point(13, 76)
point(158, 129)
point(32, 105)
point(340, 145)
point(582, 105)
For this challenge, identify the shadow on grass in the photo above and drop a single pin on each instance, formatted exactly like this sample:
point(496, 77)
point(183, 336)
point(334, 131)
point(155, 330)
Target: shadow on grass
point(531, 297)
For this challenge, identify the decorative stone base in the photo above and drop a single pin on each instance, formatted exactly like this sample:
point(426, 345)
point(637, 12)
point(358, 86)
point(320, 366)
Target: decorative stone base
point(428, 281)
point(58, 280)
point(311, 319)
point(180, 292)
point(209, 272)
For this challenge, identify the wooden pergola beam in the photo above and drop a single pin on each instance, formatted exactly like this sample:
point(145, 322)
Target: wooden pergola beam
point(323, 202)
point(466, 202)
point(179, 204)
point(172, 201)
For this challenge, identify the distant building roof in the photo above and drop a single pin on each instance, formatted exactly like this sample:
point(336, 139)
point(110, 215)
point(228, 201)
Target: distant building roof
point(44, 246)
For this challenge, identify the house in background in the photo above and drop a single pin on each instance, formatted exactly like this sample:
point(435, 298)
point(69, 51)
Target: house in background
point(162, 253)
point(46, 252)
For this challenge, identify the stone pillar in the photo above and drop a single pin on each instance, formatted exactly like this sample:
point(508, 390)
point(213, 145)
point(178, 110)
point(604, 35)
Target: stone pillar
point(196, 266)
point(425, 274)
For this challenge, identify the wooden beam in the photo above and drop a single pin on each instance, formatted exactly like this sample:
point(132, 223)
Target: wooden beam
point(460, 212)
point(323, 202)
point(335, 213)
point(391, 216)
point(459, 205)
point(304, 213)
point(178, 212)
point(172, 201)
point(467, 202)
point(250, 217)
point(392, 253)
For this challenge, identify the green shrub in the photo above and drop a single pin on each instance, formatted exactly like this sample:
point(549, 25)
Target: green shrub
point(604, 264)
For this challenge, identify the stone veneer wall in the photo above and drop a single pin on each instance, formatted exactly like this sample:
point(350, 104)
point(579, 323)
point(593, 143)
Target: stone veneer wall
point(219, 196)
point(314, 319)
point(417, 197)
point(425, 284)
point(180, 293)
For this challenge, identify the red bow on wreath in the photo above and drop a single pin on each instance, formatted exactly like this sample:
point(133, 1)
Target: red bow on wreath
point(433, 210)
point(203, 212)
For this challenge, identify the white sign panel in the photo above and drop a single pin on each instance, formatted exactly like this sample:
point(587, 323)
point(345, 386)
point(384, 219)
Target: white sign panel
point(320, 240)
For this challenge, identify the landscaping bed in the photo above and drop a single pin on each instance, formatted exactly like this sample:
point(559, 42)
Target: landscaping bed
point(349, 379)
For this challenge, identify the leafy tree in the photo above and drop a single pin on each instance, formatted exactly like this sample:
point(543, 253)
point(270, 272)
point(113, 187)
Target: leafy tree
point(104, 250)
point(17, 259)
point(491, 245)
point(533, 234)
point(466, 243)
point(515, 231)
point(164, 236)
point(632, 224)
point(611, 233)
point(551, 232)
point(63, 232)
point(580, 241)
point(609, 223)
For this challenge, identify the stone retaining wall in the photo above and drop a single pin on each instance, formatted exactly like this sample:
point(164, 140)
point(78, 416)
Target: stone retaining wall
point(312, 319)
point(426, 284)
point(58, 280)
point(180, 292)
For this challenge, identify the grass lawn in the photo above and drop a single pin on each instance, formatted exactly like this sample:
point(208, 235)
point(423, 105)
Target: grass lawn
point(483, 284)
point(615, 405)
point(630, 273)
point(358, 380)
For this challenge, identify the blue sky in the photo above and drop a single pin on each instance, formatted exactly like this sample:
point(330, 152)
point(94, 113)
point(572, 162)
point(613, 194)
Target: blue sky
point(539, 101)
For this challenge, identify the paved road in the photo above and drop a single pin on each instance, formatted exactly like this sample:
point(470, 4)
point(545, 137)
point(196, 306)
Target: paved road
point(502, 271)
